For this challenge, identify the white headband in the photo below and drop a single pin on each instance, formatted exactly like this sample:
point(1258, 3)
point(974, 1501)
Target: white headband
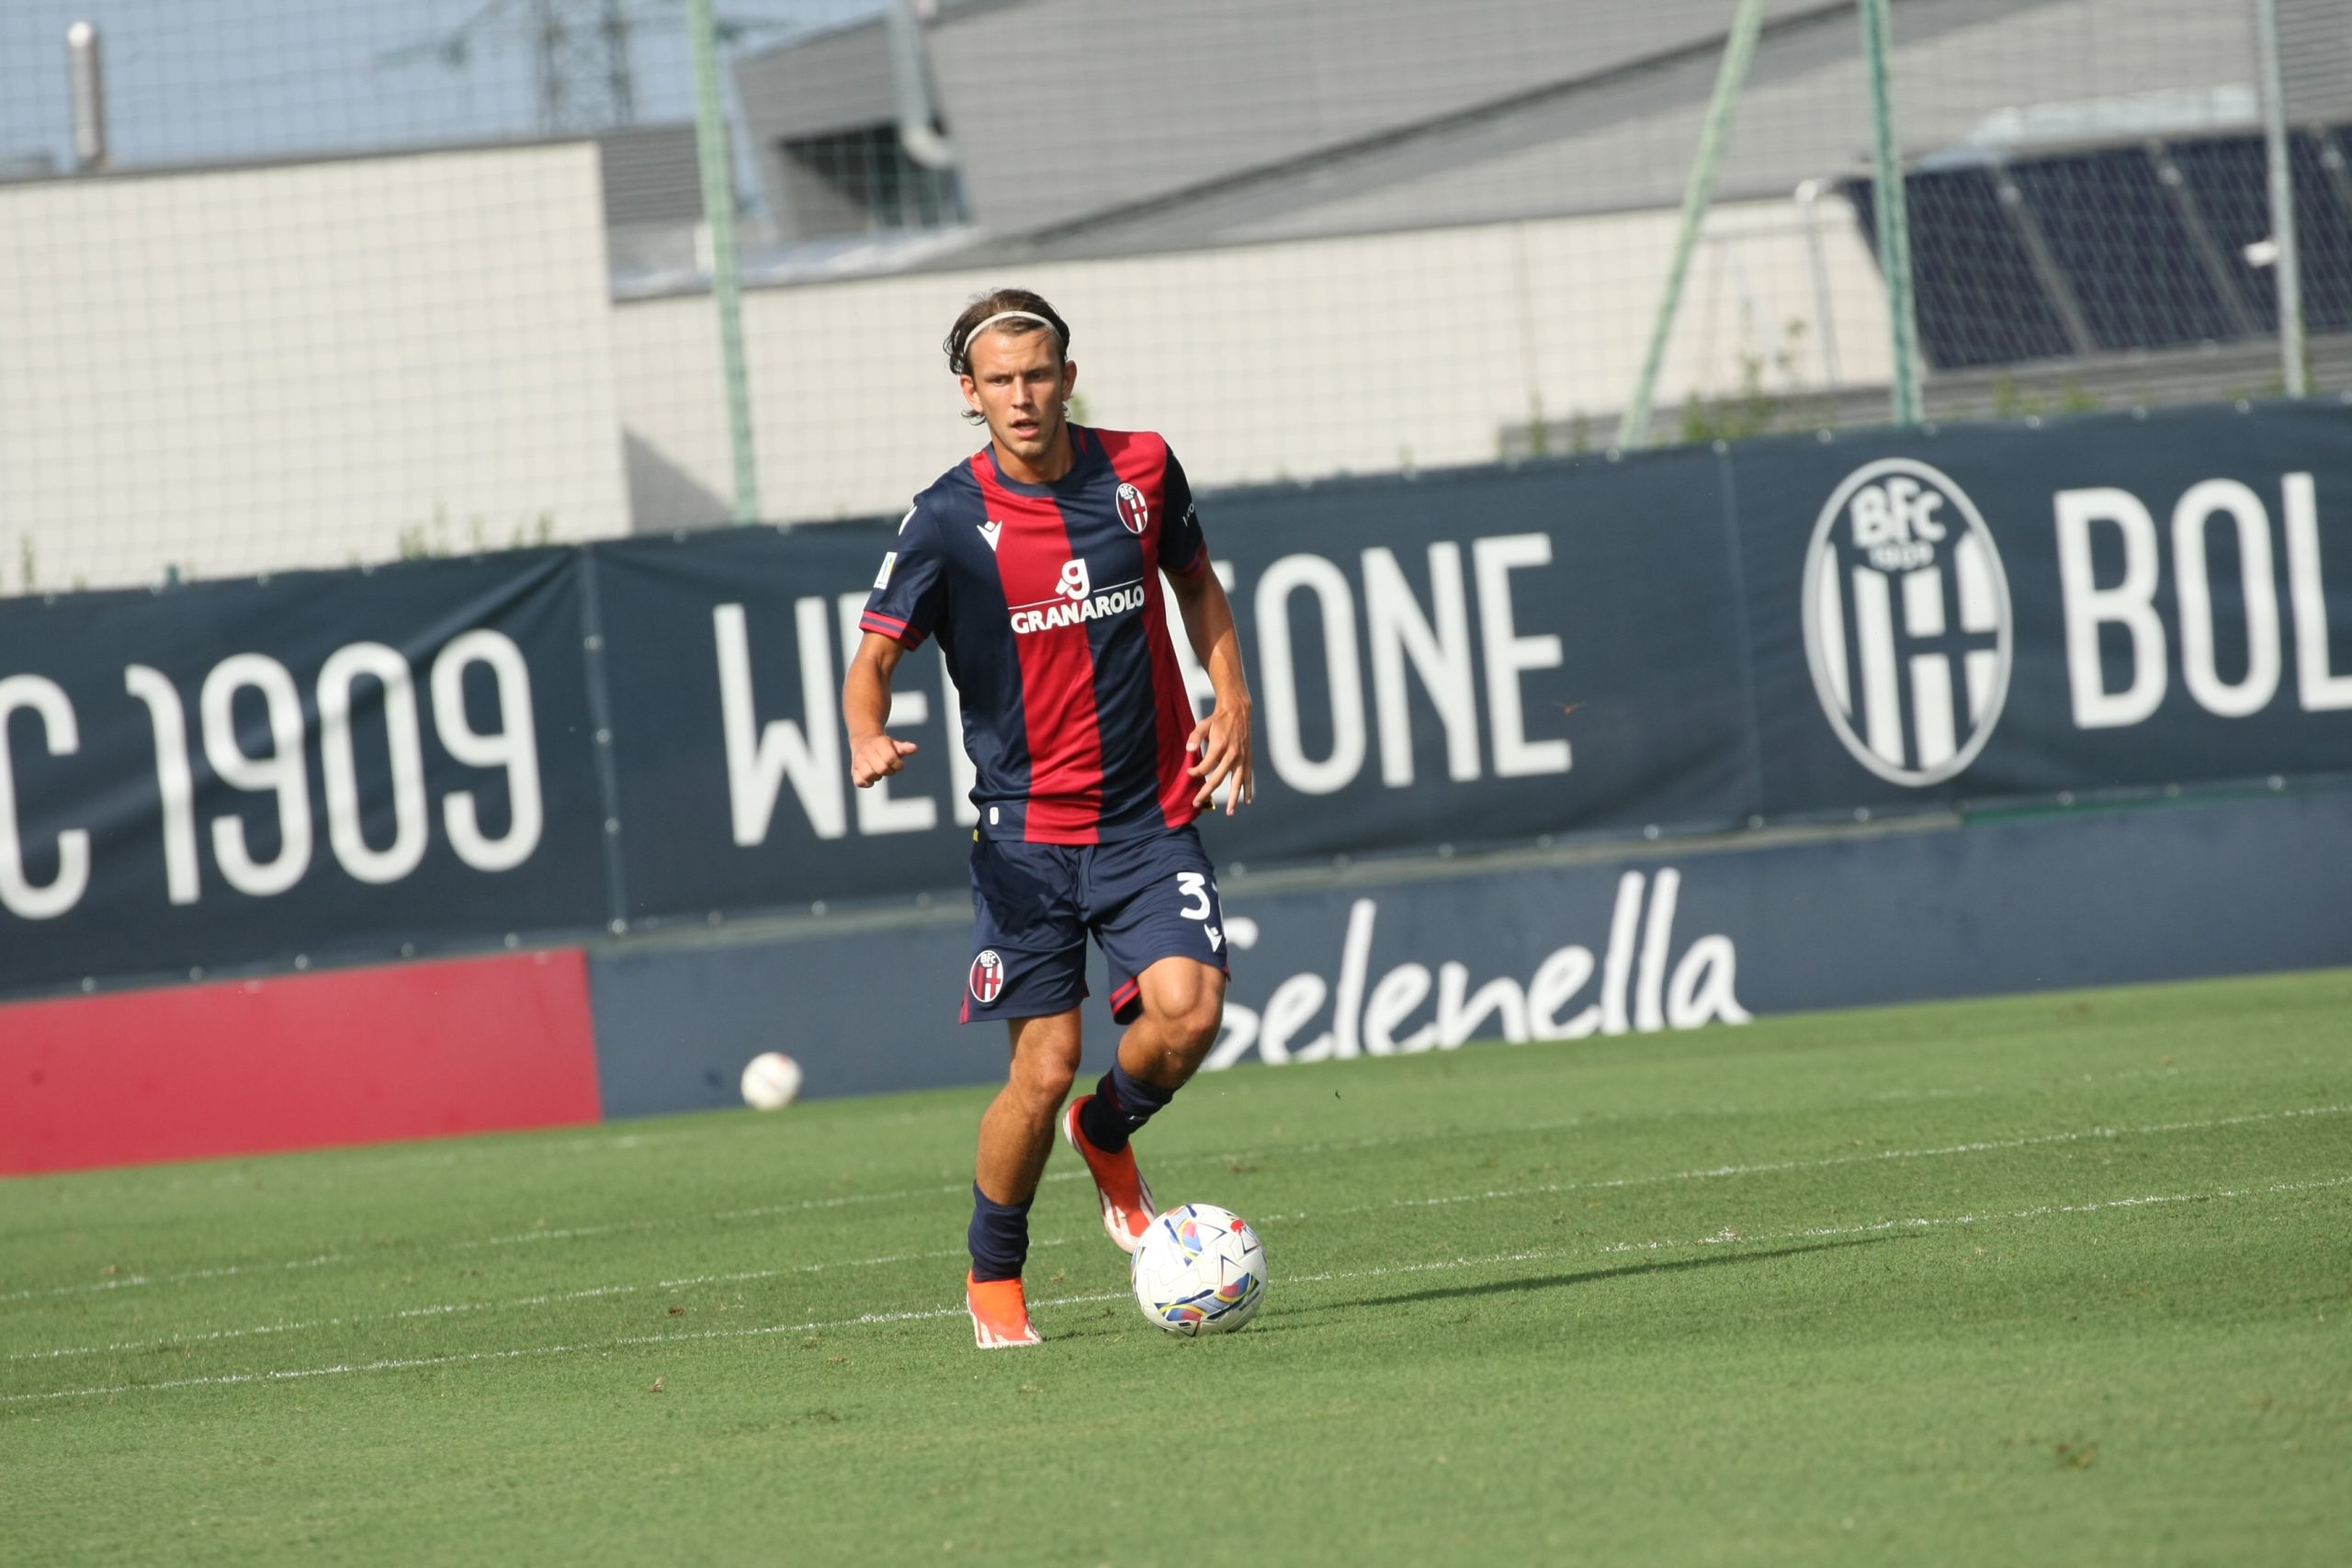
point(1005, 316)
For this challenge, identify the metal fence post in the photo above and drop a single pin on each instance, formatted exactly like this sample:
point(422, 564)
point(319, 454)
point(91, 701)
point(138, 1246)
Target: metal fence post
point(1739, 48)
point(2279, 156)
point(718, 214)
point(1893, 219)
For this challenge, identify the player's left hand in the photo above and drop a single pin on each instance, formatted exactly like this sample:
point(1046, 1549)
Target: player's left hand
point(1223, 741)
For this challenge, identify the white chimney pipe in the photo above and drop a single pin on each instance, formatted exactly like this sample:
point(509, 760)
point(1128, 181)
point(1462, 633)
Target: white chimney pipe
point(89, 93)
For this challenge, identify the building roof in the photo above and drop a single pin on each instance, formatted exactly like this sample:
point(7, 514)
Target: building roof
point(1225, 122)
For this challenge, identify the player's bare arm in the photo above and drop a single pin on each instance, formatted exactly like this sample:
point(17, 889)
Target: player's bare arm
point(865, 705)
point(1223, 738)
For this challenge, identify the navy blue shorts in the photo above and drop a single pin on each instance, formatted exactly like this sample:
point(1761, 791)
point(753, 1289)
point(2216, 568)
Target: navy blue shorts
point(1144, 900)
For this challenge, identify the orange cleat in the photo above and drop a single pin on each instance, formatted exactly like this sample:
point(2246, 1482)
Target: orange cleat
point(999, 1314)
point(1126, 1195)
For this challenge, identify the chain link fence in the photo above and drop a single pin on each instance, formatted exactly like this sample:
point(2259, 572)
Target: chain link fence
point(319, 283)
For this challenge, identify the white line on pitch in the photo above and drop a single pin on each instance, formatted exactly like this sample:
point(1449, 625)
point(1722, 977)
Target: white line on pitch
point(1711, 1173)
point(128, 1281)
point(2039, 1211)
point(1722, 1238)
point(451, 1309)
point(1068, 1175)
point(846, 1200)
point(799, 1206)
point(2089, 1134)
point(145, 1181)
point(570, 1233)
point(820, 1267)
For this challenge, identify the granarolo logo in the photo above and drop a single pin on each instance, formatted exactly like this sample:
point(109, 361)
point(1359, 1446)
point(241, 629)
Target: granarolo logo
point(988, 976)
point(1906, 622)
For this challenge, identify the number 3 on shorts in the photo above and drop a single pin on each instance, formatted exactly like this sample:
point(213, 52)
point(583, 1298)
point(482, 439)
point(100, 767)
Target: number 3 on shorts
point(1195, 888)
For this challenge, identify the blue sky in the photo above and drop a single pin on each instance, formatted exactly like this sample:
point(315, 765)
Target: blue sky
point(202, 81)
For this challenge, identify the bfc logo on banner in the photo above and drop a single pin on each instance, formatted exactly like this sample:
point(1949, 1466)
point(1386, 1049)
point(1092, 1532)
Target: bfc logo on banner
point(1133, 511)
point(1906, 622)
point(988, 976)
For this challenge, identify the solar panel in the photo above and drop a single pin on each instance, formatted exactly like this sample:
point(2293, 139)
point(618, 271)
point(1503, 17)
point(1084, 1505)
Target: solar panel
point(1978, 297)
point(2116, 234)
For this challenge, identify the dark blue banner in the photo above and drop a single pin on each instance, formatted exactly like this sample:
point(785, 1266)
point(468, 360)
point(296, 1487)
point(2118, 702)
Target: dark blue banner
point(2117, 603)
point(1469, 658)
point(1581, 948)
point(339, 766)
point(315, 766)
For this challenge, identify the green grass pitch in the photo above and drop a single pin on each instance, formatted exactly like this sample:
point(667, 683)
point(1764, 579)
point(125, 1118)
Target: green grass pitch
point(2060, 1278)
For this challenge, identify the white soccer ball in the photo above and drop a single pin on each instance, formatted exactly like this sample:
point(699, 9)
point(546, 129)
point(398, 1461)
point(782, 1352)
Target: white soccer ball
point(1199, 1269)
point(771, 1081)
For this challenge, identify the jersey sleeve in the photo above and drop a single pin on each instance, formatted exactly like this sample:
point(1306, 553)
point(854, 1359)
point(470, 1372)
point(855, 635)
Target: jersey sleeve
point(908, 592)
point(1183, 550)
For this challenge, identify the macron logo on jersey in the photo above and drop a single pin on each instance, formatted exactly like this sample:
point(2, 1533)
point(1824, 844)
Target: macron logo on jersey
point(1075, 602)
point(989, 530)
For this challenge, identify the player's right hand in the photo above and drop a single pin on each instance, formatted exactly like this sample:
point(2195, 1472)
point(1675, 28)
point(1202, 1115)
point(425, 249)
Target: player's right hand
point(877, 757)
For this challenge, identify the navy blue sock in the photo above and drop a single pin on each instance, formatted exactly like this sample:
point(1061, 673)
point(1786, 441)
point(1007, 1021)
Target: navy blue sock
point(998, 1237)
point(1121, 1106)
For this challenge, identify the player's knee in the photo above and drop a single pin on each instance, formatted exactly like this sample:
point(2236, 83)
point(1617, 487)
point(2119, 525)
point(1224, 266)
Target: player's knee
point(1191, 1006)
point(1196, 1031)
point(1045, 1079)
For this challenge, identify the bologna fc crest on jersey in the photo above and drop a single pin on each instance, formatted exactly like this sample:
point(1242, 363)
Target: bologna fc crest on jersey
point(987, 977)
point(1133, 510)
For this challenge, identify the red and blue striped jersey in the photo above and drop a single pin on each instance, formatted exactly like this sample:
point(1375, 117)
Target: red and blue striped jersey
point(1047, 602)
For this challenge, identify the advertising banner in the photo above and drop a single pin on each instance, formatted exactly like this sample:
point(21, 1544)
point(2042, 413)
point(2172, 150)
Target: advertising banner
point(1575, 950)
point(2118, 603)
point(455, 754)
point(311, 766)
point(1470, 659)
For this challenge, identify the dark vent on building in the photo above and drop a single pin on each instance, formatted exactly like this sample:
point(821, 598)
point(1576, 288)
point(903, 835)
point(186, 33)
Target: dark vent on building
point(651, 176)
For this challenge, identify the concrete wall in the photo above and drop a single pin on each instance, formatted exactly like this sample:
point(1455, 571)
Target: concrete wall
point(1288, 360)
point(237, 369)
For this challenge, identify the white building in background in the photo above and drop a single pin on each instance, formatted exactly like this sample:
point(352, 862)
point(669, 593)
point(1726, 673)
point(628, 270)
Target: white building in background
point(1284, 360)
point(229, 371)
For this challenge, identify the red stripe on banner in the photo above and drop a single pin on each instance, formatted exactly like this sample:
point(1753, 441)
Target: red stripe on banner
point(1065, 804)
point(1143, 462)
point(298, 1061)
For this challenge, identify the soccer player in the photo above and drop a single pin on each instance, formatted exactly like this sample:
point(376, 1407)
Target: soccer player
point(1038, 563)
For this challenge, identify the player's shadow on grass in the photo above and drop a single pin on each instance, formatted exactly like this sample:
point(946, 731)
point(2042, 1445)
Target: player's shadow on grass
point(1593, 1276)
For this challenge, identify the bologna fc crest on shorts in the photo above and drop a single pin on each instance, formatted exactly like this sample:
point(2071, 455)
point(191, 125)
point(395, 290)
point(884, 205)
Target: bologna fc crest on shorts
point(987, 977)
point(1133, 511)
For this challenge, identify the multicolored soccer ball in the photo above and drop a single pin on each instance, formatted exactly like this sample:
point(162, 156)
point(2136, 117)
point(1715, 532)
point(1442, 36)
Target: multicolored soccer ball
point(1199, 1269)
